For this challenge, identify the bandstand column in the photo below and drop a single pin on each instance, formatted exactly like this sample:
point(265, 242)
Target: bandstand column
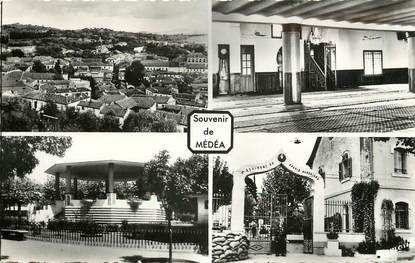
point(75, 187)
point(57, 186)
point(291, 65)
point(238, 203)
point(111, 196)
point(411, 61)
point(68, 191)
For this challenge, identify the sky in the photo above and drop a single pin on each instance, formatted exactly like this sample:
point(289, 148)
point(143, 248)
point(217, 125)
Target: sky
point(155, 16)
point(258, 148)
point(124, 147)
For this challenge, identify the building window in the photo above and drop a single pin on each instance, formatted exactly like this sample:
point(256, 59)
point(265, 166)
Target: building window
point(400, 156)
point(401, 215)
point(372, 62)
point(345, 167)
point(246, 64)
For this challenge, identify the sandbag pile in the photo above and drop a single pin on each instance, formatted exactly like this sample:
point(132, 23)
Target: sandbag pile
point(229, 247)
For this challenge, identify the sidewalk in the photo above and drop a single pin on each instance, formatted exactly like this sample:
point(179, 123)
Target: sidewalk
point(38, 251)
point(382, 108)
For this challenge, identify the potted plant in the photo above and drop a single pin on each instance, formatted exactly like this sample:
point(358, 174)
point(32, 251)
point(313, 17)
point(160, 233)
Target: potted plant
point(134, 203)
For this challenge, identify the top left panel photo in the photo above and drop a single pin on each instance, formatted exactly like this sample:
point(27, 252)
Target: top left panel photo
point(102, 65)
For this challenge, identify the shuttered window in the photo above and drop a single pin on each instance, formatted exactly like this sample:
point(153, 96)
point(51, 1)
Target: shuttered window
point(401, 215)
point(400, 160)
point(345, 167)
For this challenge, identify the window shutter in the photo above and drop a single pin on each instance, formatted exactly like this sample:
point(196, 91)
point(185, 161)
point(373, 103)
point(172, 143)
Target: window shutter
point(340, 171)
point(350, 167)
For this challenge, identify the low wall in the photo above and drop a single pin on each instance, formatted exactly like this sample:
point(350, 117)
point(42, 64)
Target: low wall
point(229, 246)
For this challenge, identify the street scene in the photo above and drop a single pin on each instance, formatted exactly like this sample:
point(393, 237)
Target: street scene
point(79, 205)
point(314, 199)
point(94, 73)
point(314, 66)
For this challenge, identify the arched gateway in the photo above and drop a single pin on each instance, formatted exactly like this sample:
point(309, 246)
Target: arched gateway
point(316, 199)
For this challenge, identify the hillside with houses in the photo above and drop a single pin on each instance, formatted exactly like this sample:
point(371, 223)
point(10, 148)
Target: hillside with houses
point(100, 79)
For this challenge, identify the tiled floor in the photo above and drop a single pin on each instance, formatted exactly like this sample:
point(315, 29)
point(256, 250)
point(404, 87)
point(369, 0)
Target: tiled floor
point(382, 108)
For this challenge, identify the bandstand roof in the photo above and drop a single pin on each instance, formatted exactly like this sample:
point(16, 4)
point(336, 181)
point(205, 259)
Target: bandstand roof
point(98, 170)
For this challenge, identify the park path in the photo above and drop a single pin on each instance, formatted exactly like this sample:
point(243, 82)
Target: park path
point(39, 251)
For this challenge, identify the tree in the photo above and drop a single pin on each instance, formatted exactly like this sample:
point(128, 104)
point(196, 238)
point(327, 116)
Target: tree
point(173, 185)
point(17, 116)
point(222, 180)
point(50, 109)
point(38, 67)
point(134, 73)
point(17, 53)
point(109, 123)
point(88, 122)
point(146, 121)
point(95, 92)
point(21, 191)
point(57, 67)
point(18, 156)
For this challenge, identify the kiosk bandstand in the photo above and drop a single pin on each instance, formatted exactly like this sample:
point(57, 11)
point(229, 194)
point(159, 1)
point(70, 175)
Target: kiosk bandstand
point(110, 210)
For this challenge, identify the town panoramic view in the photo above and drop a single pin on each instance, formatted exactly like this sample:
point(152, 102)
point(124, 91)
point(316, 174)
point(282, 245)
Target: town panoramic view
point(93, 66)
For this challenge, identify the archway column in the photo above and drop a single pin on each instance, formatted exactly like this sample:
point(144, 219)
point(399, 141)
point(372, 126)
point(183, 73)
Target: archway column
point(291, 66)
point(238, 203)
point(411, 61)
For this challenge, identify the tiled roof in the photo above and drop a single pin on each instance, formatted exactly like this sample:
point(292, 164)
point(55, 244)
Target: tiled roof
point(126, 103)
point(94, 104)
point(144, 102)
point(196, 66)
point(161, 99)
point(55, 98)
point(38, 76)
point(108, 99)
point(113, 109)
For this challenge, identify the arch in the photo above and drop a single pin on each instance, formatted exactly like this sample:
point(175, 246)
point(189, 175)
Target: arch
point(281, 159)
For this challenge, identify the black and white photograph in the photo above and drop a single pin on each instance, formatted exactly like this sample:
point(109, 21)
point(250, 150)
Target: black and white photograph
point(103, 198)
point(282, 198)
point(103, 66)
point(314, 66)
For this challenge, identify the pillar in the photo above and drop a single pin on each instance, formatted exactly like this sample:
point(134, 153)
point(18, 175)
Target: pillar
point(75, 187)
point(57, 186)
point(68, 191)
point(238, 203)
point(291, 66)
point(111, 196)
point(319, 237)
point(411, 61)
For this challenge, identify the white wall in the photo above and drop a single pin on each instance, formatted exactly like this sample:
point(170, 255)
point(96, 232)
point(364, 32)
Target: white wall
point(226, 33)
point(350, 45)
point(329, 154)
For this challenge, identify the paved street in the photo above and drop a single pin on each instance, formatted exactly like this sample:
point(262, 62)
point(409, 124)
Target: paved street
point(38, 251)
point(382, 108)
point(302, 258)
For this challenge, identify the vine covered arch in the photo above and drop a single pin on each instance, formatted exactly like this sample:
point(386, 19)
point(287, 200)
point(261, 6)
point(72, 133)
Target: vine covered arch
point(282, 160)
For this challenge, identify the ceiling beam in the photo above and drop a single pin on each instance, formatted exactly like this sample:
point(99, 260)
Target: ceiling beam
point(334, 8)
point(397, 19)
point(312, 6)
point(396, 5)
point(388, 15)
point(227, 7)
point(260, 6)
point(260, 19)
point(366, 10)
point(287, 7)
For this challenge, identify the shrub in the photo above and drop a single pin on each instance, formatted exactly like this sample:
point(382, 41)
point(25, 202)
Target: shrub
point(347, 252)
point(367, 247)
